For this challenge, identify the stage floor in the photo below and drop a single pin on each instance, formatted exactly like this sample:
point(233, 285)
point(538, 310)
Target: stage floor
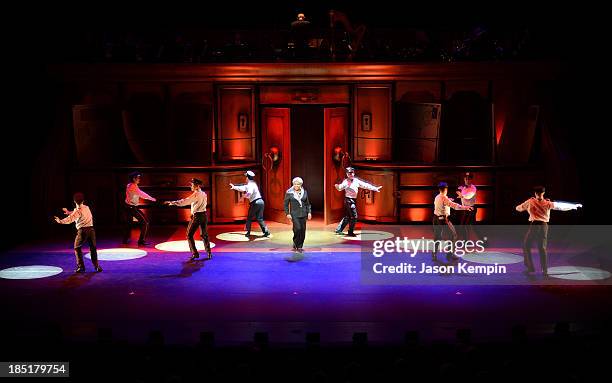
point(260, 285)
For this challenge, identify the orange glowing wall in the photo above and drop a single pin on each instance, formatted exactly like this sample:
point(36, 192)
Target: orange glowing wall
point(417, 192)
point(415, 214)
point(229, 205)
point(236, 128)
point(372, 122)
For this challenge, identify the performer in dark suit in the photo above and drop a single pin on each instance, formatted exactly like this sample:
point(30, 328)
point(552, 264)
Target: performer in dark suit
point(83, 220)
point(297, 209)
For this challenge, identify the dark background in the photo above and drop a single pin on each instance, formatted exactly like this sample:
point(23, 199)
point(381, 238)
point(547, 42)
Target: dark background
point(307, 156)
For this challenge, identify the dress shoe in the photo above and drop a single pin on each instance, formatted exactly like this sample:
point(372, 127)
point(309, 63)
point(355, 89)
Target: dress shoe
point(79, 269)
point(266, 234)
point(338, 232)
point(209, 256)
point(144, 243)
point(194, 257)
point(98, 269)
point(351, 235)
point(248, 234)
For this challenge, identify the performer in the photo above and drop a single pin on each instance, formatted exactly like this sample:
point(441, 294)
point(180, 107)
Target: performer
point(467, 193)
point(351, 186)
point(198, 201)
point(539, 215)
point(133, 194)
point(256, 203)
point(83, 220)
point(297, 198)
point(442, 206)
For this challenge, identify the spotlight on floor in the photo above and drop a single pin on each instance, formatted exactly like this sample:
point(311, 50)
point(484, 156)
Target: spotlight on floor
point(119, 254)
point(369, 235)
point(239, 236)
point(578, 273)
point(180, 246)
point(493, 257)
point(314, 238)
point(30, 272)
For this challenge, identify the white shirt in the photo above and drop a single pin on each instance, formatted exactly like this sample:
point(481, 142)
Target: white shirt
point(81, 216)
point(351, 187)
point(298, 195)
point(251, 189)
point(197, 200)
point(468, 194)
point(443, 204)
point(133, 194)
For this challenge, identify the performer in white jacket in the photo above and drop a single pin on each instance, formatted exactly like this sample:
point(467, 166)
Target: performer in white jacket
point(256, 203)
point(351, 186)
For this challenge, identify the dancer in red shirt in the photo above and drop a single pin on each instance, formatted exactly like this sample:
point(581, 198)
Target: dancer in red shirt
point(539, 215)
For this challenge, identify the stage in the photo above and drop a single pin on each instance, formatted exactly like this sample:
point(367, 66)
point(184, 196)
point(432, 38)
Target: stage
point(260, 285)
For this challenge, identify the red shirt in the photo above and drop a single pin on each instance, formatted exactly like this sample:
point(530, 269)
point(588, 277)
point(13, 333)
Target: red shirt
point(538, 209)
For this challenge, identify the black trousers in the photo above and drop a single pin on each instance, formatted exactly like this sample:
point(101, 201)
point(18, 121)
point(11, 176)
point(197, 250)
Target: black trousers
point(198, 220)
point(439, 224)
point(466, 220)
point(299, 231)
point(85, 235)
point(134, 212)
point(468, 217)
point(350, 215)
point(256, 211)
point(538, 233)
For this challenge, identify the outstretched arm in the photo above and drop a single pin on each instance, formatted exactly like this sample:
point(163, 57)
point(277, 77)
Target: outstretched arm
point(184, 201)
point(135, 189)
point(240, 188)
point(368, 186)
point(565, 206)
point(73, 216)
point(455, 205)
